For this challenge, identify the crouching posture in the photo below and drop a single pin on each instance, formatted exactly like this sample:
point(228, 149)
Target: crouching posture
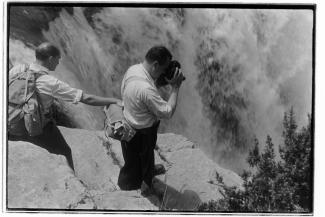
point(143, 107)
point(32, 91)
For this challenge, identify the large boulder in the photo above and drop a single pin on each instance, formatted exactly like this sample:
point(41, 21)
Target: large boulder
point(38, 179)
point(191, 177)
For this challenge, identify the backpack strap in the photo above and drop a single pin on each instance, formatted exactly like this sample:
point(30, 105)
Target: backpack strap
point(21, 74)
point(35, 75)
point(38, 73)
point(26, 88)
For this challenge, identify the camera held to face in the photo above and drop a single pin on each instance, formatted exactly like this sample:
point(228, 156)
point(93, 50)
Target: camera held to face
point(169, 74)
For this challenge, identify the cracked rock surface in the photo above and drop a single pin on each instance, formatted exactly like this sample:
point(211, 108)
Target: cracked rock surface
point(38, 179)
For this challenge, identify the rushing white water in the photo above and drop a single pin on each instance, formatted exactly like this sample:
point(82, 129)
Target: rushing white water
point(264, 57)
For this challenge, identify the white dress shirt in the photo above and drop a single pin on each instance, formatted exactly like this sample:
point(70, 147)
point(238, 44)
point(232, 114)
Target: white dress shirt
point(50, 88)
point(143, 105)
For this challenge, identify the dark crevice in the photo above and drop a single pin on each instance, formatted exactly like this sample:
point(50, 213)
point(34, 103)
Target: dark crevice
point(89, 12)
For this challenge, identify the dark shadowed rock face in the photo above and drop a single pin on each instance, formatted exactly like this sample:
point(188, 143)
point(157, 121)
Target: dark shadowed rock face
point(27, 22)
point(39, 179)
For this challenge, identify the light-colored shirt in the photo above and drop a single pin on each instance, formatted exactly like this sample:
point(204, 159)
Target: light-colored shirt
point(50, 88)
point(143, 105)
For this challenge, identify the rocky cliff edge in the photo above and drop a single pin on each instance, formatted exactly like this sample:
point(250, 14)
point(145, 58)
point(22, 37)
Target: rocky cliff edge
point(38, 179)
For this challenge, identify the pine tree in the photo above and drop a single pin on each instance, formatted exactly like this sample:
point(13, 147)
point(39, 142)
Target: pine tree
point(254, 155)
point(297, 161)
point(261, 186)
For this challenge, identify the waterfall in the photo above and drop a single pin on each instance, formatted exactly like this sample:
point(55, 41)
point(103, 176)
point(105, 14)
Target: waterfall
point(244, 68)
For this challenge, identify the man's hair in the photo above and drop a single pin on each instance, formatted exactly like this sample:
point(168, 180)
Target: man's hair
point(158, 53)
point(46, 50)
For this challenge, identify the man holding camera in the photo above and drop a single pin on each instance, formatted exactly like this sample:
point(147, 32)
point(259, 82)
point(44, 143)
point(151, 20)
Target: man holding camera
point(143, 107)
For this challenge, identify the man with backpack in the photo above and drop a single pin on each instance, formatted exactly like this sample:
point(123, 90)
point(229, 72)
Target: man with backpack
point(32, 92)
point(143, 107)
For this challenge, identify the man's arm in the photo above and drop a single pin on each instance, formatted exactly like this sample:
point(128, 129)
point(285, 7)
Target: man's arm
point(63, 91)
point(172, 101)
point(160, 107)
point(98, 100)
point(175, 82)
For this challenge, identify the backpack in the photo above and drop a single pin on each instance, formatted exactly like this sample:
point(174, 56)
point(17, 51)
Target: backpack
point(24, 108)
point(116, 125)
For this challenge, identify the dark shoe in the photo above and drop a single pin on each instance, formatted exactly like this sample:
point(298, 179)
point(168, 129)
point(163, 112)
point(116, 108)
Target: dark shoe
point(128, 187)
point(146, 191)
point(159, 170)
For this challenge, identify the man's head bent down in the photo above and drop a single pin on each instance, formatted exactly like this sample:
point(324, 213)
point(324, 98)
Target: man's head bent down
point(48, 55)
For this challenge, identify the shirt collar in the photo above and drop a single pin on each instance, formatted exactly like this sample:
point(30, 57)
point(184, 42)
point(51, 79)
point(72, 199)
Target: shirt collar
point(147, 74)
point(38, 68)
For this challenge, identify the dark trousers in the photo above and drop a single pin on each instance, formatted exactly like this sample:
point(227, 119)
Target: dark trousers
point(139, 159)
point(51, 139)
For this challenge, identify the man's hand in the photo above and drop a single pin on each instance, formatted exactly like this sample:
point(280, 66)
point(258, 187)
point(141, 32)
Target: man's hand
point(177, 79)
point(120, 103)
point(117, 102)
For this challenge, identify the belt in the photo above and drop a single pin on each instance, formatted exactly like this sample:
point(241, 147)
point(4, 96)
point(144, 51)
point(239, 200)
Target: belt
point(148, 129)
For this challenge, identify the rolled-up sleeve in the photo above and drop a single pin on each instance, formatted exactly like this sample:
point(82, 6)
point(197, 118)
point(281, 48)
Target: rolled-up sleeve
point(156, 104)
point(61, 90)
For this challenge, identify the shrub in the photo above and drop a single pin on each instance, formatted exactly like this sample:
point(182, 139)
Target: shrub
point(274, 186)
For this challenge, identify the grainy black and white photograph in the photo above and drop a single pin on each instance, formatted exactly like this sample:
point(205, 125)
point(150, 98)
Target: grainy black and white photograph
point(160, 108)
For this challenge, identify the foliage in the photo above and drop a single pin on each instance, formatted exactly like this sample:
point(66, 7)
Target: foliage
point(217, 84)
point(274, 186)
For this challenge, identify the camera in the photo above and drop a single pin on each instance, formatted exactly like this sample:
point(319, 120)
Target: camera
point(169, 74)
